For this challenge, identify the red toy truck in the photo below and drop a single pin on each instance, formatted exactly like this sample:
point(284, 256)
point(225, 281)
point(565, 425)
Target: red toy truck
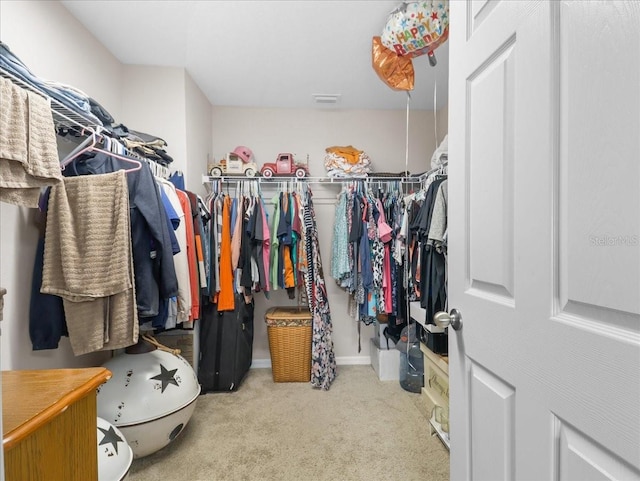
point(284, 165)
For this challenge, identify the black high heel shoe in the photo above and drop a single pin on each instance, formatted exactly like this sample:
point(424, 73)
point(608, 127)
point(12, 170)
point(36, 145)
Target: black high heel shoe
point(389, 335)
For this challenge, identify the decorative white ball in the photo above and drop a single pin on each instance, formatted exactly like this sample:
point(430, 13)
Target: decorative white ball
point(114, 454)
point(150, 398)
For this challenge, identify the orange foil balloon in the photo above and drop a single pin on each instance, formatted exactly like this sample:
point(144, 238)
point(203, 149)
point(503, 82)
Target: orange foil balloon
point(394, 70)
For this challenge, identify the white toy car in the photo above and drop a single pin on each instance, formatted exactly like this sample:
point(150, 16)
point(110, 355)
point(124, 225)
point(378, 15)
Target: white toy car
point(233, 164)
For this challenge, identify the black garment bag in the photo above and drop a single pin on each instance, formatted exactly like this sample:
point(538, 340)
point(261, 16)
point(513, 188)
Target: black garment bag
point(226, 346)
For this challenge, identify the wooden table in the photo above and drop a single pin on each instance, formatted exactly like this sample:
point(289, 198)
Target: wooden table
point(49, 424)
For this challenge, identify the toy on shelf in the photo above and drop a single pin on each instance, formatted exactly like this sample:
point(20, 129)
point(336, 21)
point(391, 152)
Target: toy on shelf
point(238, 162)
point(285, 165)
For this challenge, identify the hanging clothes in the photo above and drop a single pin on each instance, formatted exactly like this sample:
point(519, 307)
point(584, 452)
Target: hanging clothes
point(275, 266)
point(47, 323)
point(420, 227)
point(257, 236)
point(365, 261)
point(216, 204)
point(340, 267)
point(323, 361)
point(197, 238)
point(438, 227)
point(247, 272)
point(185, 203)
point(154, 270)
point(226, 294)
point(87, 261)
point(266, 244)
point(433, 287)
point(251, 255)
point(180, 259)
point(282, 254)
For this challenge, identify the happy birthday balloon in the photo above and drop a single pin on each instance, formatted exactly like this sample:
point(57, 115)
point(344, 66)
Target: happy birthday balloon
point(417, 28)
point(395, 71)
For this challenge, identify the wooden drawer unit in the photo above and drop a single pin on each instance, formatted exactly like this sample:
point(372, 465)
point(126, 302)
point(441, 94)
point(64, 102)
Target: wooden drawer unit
point(436, 392)
point(50, 424)
point(436, 375)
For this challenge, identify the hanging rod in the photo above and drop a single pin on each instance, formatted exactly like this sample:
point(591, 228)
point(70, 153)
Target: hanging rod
point(443, 164)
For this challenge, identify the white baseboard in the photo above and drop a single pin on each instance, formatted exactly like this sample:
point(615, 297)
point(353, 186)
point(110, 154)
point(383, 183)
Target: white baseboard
point(343, 360)
point(353, 360)
point(261, 364)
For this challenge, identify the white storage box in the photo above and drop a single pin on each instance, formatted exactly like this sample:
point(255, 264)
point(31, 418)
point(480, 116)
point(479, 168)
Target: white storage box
point(385, 362)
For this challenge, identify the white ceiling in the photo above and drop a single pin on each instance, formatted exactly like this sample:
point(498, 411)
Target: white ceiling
point(264, 53)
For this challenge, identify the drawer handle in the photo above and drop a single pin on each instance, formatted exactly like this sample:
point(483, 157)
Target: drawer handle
point(434, 384)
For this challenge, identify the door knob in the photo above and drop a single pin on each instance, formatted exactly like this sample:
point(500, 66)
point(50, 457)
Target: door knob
point(454, 319)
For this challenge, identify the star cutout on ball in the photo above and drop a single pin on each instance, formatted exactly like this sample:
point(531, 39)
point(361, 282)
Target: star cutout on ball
point(111, 437)
point(166, 377)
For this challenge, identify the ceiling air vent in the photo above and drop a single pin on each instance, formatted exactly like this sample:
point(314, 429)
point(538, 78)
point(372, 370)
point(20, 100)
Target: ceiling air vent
point(326, 98)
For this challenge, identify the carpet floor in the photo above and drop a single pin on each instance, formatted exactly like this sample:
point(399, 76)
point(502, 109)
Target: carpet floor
point(361, 429)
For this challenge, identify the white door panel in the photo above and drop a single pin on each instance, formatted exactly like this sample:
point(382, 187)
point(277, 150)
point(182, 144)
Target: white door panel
point(599, 153)
point(493, 425)
point(579, 457)
point(544, 240)
point(490, 140)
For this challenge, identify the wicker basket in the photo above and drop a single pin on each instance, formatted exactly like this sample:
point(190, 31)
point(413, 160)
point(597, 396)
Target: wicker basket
point(289, 330)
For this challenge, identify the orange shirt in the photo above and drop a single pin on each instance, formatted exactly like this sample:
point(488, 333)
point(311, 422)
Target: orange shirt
point(191, 255)
point(225, 297)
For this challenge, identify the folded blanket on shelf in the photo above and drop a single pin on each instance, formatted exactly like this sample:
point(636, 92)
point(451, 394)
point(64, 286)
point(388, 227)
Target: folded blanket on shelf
point(343, 162)
point(349, 153)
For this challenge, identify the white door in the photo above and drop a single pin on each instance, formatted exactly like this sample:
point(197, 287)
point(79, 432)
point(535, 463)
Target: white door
point(544, 236)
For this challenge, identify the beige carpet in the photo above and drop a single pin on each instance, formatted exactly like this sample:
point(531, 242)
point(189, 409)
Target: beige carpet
point(361, 429)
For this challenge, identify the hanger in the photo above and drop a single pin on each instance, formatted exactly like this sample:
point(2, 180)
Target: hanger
point(85, 146)
point(205, 213)
point(93, 140)
point(136, 163)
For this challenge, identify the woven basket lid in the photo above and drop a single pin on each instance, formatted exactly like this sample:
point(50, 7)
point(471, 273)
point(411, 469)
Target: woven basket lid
point(288, 312)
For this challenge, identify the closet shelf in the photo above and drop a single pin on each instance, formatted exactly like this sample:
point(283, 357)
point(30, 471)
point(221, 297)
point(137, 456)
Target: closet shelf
point(62, 115)
point(417, 179)
point(207, 179)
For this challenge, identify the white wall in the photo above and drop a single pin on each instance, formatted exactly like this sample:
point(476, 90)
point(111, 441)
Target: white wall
point(54, 46)
point(442, 122)
point(153, 101)
point(381, 134)
point(198, 135)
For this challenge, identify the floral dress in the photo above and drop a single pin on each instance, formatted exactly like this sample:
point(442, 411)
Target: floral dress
point(323, 361)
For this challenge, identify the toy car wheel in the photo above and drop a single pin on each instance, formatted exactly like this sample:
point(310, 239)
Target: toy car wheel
point(215, 172)
point(300, 173)
point(250, 172)
point(267, 173)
